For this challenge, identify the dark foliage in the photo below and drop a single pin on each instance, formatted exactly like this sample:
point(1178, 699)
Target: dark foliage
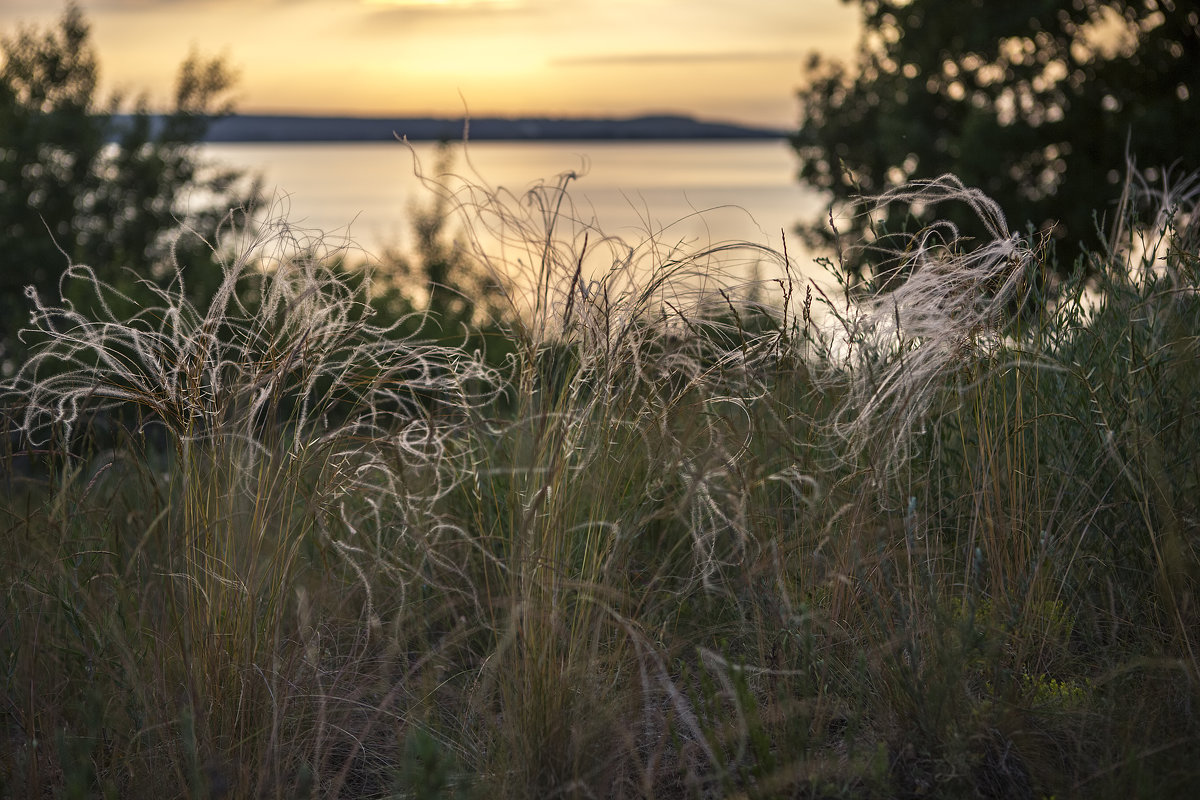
point(1036, 102)
point(77, 186)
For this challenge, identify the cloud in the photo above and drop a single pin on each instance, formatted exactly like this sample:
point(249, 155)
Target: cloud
point(145, 5)
point(408, 9)
point(450, 6)
point(388, 16)
point(519, 22)
point(125, 6)
point(669, 59)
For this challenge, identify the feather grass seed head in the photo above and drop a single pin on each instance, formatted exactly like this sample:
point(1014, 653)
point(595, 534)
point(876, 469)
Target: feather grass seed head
point(613, 329)
point(284, 368)
point(948, 309)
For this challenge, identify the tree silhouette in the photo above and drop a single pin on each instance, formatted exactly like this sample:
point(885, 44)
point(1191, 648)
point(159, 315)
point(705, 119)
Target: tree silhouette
point(1036, 102)
point(81, 184)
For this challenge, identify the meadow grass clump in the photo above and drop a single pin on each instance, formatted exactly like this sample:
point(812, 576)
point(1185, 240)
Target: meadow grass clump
point(693, 538)
point(611, 486)
point(936, 302)
point(273, 436)
point(1025, 442)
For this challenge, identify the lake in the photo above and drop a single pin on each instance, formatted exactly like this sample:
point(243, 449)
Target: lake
point(691, 192)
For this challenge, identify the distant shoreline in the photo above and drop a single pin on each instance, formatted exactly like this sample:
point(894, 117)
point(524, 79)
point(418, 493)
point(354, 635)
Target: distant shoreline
point(284, 128)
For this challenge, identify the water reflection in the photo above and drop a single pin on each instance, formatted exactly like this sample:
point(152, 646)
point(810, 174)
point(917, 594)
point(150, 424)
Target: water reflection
point(689, 193)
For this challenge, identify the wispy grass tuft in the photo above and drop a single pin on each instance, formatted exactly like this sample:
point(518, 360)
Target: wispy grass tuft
point(692, 538)
point(938, 302)
point(289, 422)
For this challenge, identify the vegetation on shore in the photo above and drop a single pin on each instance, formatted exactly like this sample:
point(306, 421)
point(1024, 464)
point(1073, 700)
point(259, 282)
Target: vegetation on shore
point(691, 537)
point(1035, 103)
point(84, 184)
point(581, 517)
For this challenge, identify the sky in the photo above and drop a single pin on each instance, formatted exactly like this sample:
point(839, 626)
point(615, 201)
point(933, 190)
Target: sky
point(735, 60)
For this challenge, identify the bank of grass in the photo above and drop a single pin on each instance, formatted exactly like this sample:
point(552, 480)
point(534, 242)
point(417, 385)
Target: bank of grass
point(694, 538)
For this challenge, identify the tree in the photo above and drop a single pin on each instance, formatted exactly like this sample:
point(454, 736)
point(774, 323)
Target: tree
point(1036, 102)
point(79, 183)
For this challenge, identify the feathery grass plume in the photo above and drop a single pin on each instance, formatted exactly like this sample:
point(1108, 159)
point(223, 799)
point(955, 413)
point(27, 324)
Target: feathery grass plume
point(285, 349)
point(938, 304)
point(292, 419)
point(613, 330)
point(617, 483)
point(559, 269)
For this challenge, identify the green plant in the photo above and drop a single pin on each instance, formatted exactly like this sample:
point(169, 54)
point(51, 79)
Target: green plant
point(86, 185)
point(1035, 104)
point(690, 541)
point(294, 429)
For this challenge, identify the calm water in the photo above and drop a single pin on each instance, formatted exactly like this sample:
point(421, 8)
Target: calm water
point(697, 192)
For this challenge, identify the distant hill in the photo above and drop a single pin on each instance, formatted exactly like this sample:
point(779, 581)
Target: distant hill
point(272, 128)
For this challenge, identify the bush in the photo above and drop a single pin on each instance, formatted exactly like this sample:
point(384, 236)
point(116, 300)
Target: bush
point(83, 185)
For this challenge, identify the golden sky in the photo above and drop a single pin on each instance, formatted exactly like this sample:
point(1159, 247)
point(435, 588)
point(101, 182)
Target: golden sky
point(716, 59)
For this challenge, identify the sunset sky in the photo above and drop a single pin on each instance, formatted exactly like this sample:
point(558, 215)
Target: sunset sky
point(736, 60)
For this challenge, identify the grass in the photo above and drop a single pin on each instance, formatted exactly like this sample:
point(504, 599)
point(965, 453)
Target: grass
point(694, 537)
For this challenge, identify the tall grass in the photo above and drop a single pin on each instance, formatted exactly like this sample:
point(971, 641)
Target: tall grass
point(699, 536)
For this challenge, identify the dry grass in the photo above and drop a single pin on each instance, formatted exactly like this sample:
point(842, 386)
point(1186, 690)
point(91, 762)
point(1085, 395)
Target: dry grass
point(685, 542)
